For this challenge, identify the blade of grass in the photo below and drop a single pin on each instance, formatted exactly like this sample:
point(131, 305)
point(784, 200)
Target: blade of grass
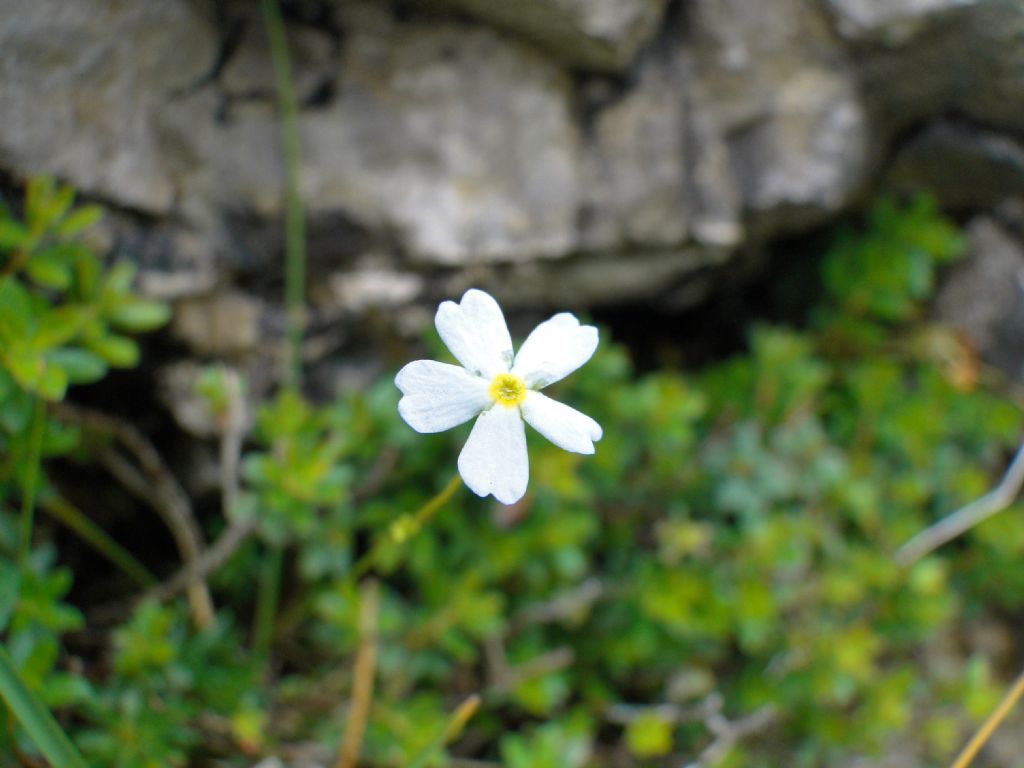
point(407, 526)
point(295, 220)
point(362, 678)
point(266, 602)
point(295, 282)
point(70, 516)
point(451, 731)
point(35, 718)
point(984, 733)
point(31, 480)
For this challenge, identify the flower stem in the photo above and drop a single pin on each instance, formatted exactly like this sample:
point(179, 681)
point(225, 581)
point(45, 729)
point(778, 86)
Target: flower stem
point(73, 518)
point(295, 225)
point(362, 676)
point(989, 726)
point(451, 731)
point(295, 282)
point(35, 718)
point(266, 602)
point(407, 526)
point(30, 481)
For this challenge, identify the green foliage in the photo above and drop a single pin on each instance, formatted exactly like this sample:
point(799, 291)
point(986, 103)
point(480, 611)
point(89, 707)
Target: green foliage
point(731, 540)
point(166, 680)
point(886, 271)
point(63, 316)
point(301, 471)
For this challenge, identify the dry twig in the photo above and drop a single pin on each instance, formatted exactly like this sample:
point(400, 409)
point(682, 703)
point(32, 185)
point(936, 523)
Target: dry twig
point(965, 518)
point(232, 427)
point(153, 483)
point(561, 607)
point(362, 679)
point(726, 732)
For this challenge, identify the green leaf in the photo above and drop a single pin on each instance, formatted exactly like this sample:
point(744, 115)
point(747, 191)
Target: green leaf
point(88, 269)
point(15, 309)
point(35, 718)
point(10, 581)
point(60, 204)
point(60, 439)
point(119, 279)
point(13, 235)
point(138, 316)
point(80, 365)
point(79, 220)
point(59, 326)
point(15, 411)
point(48, 270)
point(118, 351)
point(25, 365)
point(649, 735)
point(38, 194)
point(53, 384)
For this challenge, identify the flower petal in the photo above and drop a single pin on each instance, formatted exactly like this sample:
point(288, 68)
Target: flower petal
point(475, 332)
point(564, 426)
point(556, 348)
point(494, 458)
point(439, 396)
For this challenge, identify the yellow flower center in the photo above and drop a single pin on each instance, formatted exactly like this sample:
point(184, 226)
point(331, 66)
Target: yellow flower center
point(508, 390)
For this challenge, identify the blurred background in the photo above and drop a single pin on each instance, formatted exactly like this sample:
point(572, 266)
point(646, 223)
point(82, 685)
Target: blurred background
point(799, 225)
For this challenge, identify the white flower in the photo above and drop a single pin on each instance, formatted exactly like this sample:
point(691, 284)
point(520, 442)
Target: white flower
point(500, 389)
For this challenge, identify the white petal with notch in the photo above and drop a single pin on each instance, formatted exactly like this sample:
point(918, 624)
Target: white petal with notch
point(554, 349)
point(494, 459)
point(564, 426)
point(439, 396)
point(474, 331)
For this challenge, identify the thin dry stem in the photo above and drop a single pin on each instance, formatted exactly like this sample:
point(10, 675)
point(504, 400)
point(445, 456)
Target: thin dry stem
point(984, 733)
point(725, 732)
point(362, 679)
point(153, 483)
point(213, 558)
point(965, 518)
point(562, 607)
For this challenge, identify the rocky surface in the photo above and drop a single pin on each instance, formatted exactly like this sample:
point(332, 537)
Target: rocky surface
point(601, 35)
point(81, 83)
point(984, 294)
point(572, 152)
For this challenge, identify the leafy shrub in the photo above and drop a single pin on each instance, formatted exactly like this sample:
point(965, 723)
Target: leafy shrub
point(728, 552)
point(63, 320)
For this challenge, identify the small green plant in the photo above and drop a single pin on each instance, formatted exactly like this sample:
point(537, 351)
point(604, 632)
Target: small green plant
point(62, 316)
point(63, 320)
point(717, 579)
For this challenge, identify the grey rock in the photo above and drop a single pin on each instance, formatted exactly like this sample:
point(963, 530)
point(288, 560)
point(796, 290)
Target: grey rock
point(369, 288)
point(782, 94)
point(717, 216)
point(177, 388)
point(604, 278)
point(458, 136)
point(227, 165)
point(890, 22)
point(983, 295)
point(602, 35)
point(635, 166)
point(80, 83)
point(248, 73)
point(807, 159)
point(220, 324)
point(944, 57)
point(963, 166)
point(459, 141)
point(456, 142)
